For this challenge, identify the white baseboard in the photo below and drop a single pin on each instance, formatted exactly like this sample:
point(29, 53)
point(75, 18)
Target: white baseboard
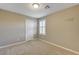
point(14, 44)
point(67, 49)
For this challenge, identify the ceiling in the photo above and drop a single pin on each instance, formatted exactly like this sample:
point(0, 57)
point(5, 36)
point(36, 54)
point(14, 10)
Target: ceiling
point(28, 10)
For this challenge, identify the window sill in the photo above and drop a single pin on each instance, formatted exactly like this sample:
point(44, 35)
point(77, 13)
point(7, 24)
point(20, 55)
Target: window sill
point(42, 34)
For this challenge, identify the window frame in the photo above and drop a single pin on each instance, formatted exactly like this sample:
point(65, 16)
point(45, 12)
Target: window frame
point(42, 27)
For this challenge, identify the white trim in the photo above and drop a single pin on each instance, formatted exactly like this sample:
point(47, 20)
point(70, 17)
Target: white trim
point(67, 49)
point(14, 44)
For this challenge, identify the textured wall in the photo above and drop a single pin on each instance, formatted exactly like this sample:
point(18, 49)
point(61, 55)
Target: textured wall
point(63, 28)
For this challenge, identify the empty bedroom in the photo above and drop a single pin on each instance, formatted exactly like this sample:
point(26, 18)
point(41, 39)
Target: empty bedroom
point(39, 29)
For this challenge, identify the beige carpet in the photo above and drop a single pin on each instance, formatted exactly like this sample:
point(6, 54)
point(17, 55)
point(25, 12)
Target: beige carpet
point(37, 47)
point(33, 47)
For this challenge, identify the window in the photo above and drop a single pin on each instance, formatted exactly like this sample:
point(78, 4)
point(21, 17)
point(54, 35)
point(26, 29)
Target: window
point(42, 25)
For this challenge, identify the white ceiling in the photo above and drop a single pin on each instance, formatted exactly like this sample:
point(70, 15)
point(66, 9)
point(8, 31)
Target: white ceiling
point(28, 10)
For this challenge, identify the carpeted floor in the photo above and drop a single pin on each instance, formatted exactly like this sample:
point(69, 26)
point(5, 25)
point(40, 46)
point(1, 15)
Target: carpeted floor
point(37, 47)
point(34, 47)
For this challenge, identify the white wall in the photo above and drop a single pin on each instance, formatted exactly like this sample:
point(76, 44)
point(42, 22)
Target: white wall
point(63, 28)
